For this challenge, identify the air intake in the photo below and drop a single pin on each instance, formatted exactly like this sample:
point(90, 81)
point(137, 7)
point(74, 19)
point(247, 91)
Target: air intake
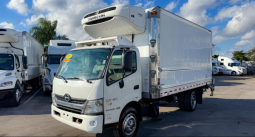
point(99, 21)
point(101, 11)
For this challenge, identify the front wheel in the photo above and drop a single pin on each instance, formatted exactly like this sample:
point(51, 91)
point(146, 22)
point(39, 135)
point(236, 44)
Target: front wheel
point(233, 73)
point(17, 94)
point(128, 124)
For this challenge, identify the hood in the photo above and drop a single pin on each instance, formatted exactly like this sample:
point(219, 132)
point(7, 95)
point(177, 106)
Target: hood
point(3, 73)
point(76, 89)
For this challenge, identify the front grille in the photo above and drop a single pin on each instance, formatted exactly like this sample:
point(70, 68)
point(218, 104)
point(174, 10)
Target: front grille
point(73, 110)
point(101, 11)
point(74, 101)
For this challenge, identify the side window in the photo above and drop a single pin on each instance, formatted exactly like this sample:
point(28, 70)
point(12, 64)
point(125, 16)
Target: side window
point(17, 64)
point(221, 63)
point(115, 71)
point(222, 59)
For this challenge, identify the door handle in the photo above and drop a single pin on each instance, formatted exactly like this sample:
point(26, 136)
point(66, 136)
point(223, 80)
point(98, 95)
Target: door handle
point(136, 87)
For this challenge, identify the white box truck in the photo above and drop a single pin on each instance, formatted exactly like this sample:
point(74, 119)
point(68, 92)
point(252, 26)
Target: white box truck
point(138, 58)
point(216, 70)
point(20, 65)
point(231, 66)
point(51, 61)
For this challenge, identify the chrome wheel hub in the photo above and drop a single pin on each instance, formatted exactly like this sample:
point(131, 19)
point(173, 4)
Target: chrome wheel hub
point(18, 95)
point(129, 124)
point(193, 100)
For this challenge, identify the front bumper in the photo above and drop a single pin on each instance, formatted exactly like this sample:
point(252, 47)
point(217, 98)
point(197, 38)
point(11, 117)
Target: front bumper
point(91, 124)
point(6, 94)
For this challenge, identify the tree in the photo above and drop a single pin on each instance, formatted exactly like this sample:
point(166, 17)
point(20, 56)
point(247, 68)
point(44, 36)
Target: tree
point(45, 30)
point(250, 54)
point(239, 55)
point(215, 56)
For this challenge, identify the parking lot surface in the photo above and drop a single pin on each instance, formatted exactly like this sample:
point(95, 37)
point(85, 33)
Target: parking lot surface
point(230, 112)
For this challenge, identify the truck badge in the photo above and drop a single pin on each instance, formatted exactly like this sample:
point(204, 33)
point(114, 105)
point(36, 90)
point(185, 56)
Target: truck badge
point(67, 97)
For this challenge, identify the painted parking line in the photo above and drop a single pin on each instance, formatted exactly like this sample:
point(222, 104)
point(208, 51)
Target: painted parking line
point(32, 96)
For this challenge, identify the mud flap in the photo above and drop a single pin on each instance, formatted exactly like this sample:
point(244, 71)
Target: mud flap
point(212, 87)
point(199, 95)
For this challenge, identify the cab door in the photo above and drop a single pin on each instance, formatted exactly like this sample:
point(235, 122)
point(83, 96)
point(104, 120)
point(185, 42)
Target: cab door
point(115, 97)
point(18, 70)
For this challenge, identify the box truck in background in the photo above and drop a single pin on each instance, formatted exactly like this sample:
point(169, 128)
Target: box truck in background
point(231, 66)
point(216, 70)
point(139, 57)
point(20, 65)
point(51, 61)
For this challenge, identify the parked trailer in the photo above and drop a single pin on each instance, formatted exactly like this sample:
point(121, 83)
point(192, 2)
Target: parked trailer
point(19, 64)
point(250, 66)
point(139, 57)
point(231, 66)
point(215, 67)
point(51, 61)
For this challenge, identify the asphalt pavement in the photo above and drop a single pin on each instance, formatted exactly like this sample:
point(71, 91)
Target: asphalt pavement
point(230, 112)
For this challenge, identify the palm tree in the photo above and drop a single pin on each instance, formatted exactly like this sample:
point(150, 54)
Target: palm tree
point(45, 30)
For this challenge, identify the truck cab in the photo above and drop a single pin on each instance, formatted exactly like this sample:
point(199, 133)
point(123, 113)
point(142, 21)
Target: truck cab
point(231, 66)
point(10, 77)
point(51, 61)
point(216, 70)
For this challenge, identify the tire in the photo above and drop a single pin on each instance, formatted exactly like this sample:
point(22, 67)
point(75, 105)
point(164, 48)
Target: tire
point(129, 123)
point(190, 101)
point(233, 73)
point(46, 92)
point(17, 94)
point(181, 98)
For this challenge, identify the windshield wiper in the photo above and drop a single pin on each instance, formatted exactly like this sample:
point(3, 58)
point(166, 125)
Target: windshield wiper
point(89, 81)
point(75, 78)
point(62, 78)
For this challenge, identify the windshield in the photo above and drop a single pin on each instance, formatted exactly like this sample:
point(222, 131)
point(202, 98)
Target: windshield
point(235, 64)
point(6, 62)
point(214, 64)
point(84, 64)
point(54, 59)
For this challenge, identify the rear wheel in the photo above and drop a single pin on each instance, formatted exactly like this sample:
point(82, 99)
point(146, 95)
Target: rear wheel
point(17, 94)
point(128, 124)
point(190, 101)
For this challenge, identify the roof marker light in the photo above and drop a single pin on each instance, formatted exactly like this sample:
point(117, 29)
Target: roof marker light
point(154, 12)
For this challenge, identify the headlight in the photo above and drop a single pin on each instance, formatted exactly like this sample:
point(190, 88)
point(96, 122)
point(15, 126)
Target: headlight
point(5, 84)
point(94, 107)
point(46, 81)
point(53, 99)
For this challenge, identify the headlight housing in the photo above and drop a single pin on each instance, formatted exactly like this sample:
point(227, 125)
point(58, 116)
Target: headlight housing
point(5, 84)
point(53, 99)
point(94, 107)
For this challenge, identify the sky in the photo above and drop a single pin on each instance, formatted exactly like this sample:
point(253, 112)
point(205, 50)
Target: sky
point(232, 22)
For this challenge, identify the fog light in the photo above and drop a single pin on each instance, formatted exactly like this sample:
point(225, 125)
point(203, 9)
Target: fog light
point(93, 123)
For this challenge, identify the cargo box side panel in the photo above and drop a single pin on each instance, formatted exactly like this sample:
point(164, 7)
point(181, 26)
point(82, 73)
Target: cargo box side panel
point(185, 51)
point(33, 51)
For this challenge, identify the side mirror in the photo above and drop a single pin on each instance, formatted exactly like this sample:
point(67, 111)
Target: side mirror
point(24, 60)
point(127, 61)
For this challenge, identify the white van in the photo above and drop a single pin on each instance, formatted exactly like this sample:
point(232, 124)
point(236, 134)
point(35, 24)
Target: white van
point(231, 66)
point(51, 61)
point(216, 70)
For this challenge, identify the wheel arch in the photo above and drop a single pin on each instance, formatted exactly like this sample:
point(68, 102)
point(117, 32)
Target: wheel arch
point(136, 106)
